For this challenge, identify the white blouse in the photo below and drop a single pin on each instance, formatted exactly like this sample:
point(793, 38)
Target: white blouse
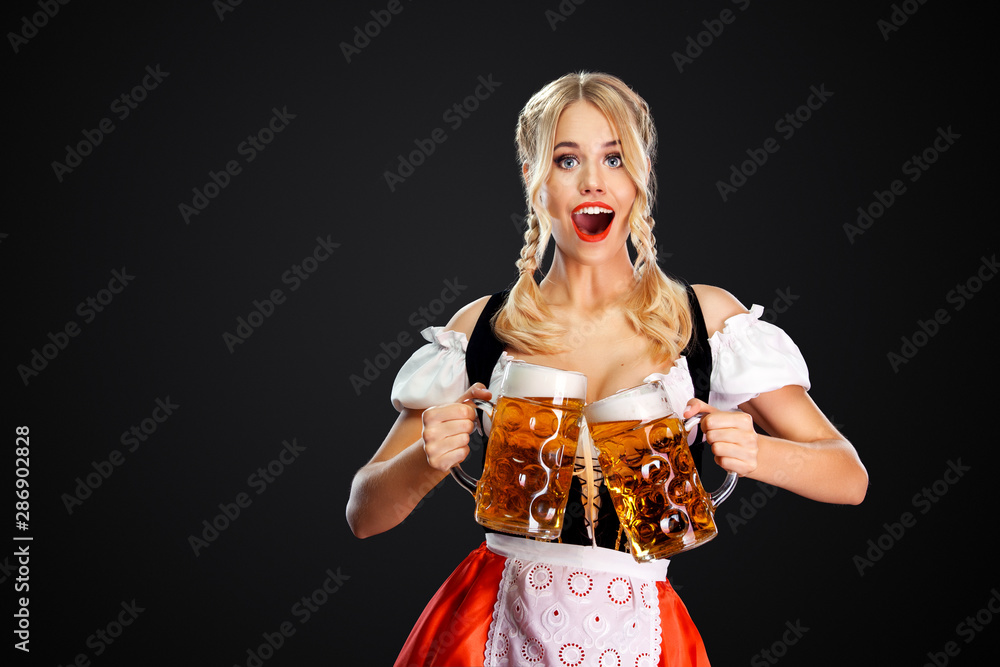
point(749, 357)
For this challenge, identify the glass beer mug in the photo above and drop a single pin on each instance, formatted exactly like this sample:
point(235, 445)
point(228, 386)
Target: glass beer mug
point(650, 473)
point(535, 417)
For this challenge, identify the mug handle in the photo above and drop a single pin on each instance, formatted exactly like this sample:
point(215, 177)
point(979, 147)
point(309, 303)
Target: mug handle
point(464, 479)
point(729, 483)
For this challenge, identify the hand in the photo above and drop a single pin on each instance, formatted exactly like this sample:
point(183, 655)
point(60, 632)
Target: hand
point(730, 434)
point(446, 429)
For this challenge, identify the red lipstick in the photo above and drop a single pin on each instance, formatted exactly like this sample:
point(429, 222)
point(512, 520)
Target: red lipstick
point(592, 220)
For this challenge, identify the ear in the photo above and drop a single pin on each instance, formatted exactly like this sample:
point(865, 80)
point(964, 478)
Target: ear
point(524, 172)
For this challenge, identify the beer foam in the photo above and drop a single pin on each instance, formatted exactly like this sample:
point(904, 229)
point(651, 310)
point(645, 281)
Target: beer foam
point(532, 381)
point(642, 403)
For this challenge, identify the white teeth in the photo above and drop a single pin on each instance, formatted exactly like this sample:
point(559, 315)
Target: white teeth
point(594, 210)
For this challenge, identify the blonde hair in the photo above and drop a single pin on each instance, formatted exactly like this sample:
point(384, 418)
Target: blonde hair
point(657, 306)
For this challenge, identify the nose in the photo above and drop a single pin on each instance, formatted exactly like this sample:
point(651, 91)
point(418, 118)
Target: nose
point(591, 179)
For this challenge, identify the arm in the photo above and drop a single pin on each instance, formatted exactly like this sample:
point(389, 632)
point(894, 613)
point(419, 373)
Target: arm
point(803, 453)
point(416, 454)
point(806, 454)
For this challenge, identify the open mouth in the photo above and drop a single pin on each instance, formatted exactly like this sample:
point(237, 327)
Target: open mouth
point(592, 221)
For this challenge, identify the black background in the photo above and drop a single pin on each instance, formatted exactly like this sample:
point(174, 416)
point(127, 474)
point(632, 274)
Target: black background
point(853, 300)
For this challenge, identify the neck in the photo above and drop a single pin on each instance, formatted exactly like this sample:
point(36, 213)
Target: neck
point(587, 287)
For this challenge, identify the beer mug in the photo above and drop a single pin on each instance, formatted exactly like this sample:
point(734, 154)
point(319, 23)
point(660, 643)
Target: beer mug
point(650, 473)
point(535, 417)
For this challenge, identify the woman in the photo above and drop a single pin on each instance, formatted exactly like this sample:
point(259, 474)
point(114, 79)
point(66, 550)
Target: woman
point(587, 146)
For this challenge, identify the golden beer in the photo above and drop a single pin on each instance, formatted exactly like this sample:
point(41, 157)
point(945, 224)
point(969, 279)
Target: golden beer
point(529, 465)
point(654, 485)
point(530, 453)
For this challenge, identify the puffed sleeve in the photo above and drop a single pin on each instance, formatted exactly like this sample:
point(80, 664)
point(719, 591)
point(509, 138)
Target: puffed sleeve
point(434, 374)
point(750, 357)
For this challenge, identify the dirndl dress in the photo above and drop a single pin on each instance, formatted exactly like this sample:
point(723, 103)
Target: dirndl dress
point(515, 601)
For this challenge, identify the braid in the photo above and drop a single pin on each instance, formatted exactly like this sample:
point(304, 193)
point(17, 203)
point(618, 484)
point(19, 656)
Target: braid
point(529, 261)
point(644, 242)
point(658, 305)
point(525, 310)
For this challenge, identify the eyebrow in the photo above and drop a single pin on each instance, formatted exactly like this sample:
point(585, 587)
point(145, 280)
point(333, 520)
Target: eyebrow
point(573, 144)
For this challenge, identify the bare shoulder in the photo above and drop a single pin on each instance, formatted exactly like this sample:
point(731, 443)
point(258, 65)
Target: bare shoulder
point(717, 306)
point(465, 319)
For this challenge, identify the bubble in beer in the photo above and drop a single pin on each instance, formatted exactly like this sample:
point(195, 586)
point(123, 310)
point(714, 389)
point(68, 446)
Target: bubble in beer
point(655, 470)
point(634, 458)
point(646, 532)
point(650, 504)
point(552, 452)
point(680, 490)
point(700, 513)
point(674, 522)
point(630, 443)
point(503, 472)
point(532, 478)
point(543, 508)
point(511, 502)
point(610, 452)
point(628, 482)
point(544, 423)
point(661, 435)
point(511, 416)
point(683, 462)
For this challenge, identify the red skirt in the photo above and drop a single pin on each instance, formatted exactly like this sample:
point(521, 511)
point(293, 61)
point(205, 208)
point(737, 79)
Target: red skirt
point(522, 602)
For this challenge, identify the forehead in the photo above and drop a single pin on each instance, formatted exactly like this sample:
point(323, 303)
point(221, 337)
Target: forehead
point(583, 123)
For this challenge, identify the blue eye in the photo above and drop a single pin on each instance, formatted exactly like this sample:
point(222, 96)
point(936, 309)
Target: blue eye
point(566, 161)
point(614, 161)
